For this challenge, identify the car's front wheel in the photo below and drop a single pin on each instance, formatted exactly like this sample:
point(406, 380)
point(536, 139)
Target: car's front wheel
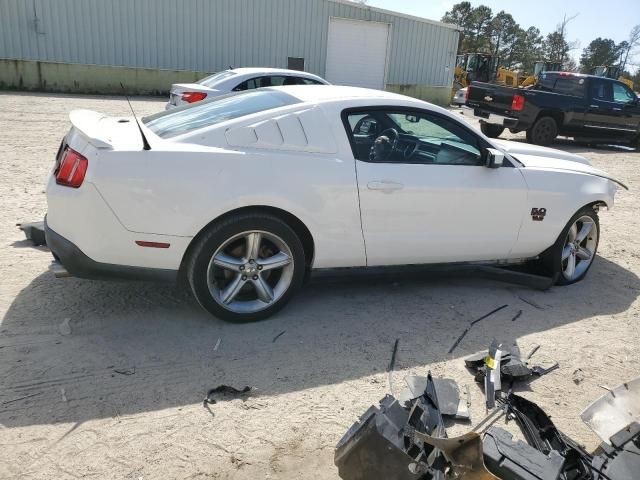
point(570, 258)
point(247, 267)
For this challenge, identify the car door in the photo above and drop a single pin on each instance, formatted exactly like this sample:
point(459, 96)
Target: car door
point(606, 117)
point(428, 198)
point(626, 112)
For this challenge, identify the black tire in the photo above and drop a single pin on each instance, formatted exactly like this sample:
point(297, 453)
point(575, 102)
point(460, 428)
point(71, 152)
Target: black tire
point(491, 130)
point(550, 261)
point(219, 233)
point(543, 132)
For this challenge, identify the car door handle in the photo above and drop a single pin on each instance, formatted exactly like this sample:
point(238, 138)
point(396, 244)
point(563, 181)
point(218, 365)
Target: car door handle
point(384, 185)
point(594, 106)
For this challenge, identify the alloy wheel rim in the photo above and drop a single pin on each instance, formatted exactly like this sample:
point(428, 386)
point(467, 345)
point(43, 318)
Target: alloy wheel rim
point(579, 247)
point(250, 271)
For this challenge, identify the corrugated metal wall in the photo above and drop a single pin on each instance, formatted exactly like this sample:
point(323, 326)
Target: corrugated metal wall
point(210, 35)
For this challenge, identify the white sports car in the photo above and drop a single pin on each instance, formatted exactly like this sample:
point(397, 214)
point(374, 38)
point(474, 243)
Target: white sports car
point(238, 80)
point(245, 194)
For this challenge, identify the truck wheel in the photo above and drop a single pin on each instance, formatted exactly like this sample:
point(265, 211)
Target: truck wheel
point(543, 132)
point(491, 130)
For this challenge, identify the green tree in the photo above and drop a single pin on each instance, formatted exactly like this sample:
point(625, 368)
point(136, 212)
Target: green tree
point(475, 24)
point(503, 31)
point(556, 46)
point(460, 15)
point(524, 51)
point(601, 51)
point(628, 46)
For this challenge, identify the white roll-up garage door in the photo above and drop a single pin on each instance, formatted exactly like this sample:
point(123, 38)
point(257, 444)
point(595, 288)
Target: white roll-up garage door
point(357, 53)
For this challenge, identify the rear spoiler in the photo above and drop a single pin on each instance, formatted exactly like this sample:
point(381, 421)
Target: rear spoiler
point(87, 122)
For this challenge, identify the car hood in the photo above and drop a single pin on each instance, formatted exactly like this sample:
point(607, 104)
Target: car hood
point(534, 156)
point(548, 154)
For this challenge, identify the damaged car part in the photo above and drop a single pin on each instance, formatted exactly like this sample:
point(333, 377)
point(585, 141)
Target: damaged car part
point(383, 444)
point(516, 460)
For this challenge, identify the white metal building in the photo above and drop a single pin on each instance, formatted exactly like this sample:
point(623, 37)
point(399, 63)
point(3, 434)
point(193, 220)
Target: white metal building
point(345, 42)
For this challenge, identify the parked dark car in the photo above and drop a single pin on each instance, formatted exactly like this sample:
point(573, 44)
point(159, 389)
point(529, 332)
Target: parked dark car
point(588, 108)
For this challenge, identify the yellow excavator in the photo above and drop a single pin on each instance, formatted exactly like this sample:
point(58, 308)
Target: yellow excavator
point(539, 67)
point(471, 67)
point(483, 67)
point(611, 71)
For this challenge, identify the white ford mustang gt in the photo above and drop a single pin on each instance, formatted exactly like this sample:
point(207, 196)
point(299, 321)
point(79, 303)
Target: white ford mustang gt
point(246, 193)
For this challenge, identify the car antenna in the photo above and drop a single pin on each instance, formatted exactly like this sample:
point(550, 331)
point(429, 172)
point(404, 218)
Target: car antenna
point(145, 144)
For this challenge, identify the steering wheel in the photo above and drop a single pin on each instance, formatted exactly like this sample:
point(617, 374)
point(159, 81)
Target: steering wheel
point(410, 150)
point(384, 146)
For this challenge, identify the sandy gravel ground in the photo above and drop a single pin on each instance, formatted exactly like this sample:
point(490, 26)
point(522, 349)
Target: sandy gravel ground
point(106, 380)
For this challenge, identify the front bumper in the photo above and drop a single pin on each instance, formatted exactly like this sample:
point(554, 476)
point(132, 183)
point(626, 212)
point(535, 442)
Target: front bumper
point(80, 265)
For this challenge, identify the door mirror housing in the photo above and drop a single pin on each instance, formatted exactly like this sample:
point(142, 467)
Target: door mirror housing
point(494, 158)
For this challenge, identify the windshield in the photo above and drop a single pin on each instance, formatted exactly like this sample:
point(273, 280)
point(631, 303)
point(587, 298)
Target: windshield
point(211, 80)
point(185, 119)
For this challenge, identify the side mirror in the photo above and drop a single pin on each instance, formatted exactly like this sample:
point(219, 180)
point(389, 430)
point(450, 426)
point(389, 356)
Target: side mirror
point(494, 158)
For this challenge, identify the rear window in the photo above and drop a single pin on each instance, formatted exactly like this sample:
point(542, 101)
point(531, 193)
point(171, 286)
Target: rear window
point(570, 86)
point(178, 121)
point(211, 80)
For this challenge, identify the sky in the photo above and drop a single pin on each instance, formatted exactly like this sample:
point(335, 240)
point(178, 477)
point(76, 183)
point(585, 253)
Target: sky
point(596, 18)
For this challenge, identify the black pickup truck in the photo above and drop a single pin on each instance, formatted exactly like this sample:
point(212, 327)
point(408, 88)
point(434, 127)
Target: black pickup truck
point(590, 109)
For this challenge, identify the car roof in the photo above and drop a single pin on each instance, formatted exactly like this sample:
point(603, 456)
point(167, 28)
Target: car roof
point(261, 70)
point(321, 93)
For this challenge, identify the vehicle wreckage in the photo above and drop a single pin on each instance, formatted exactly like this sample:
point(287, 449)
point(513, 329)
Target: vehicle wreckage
point(405, 438)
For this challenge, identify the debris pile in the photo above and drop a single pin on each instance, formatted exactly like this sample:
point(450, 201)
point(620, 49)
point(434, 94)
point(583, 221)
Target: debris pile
point(405, 437)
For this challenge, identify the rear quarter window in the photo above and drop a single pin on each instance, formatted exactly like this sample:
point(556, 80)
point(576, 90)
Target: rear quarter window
point(179, 121)
point(569, 86)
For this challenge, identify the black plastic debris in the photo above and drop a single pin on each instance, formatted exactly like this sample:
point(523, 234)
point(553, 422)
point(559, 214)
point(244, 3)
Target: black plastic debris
point(621, 457)
point(374, 447)
point(511, 459)
point(540, 432)
point(492, 377)
point(513, 367)
point(383, 445)
point(224, 391)
point(407, 439)
point(34, 231)
point(449, 400)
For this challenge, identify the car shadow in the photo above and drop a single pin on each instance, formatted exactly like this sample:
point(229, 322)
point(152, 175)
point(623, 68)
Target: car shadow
point(101, 349)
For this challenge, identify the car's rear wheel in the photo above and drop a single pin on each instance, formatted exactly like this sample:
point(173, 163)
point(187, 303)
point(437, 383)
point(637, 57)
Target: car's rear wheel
point(570, 258)
point(246, 267)
point(543, 132)
point(491, 130)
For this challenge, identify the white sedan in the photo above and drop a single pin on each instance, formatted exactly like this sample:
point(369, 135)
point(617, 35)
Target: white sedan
point(244, 194)
point(460, 97)
point(238, 80)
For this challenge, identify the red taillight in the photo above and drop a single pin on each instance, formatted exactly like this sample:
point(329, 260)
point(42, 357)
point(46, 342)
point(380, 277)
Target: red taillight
point(191, 97)
point(517, 103)
point(466, 95)
point(72, 169)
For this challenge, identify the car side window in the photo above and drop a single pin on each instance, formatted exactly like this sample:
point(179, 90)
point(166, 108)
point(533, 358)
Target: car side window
point(600, 90)
point(253, 83)
point(388, 136)
point(622, 94)
point(309, 81)
point(570, 86)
